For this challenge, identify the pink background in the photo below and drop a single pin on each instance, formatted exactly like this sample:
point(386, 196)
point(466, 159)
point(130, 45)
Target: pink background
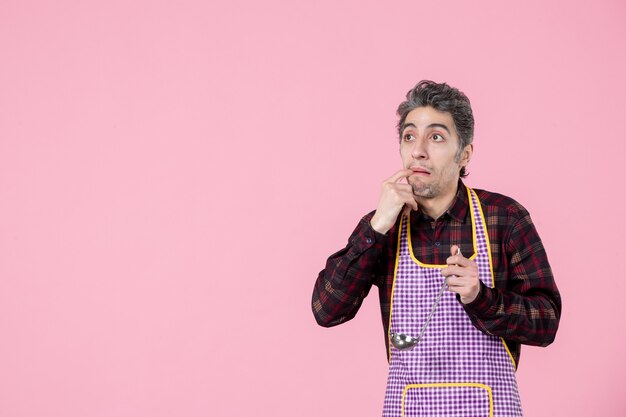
point(174, 174)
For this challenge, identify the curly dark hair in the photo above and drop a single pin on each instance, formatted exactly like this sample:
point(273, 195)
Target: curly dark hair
point(441, 97)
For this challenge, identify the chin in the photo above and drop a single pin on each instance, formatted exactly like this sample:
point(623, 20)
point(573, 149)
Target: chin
point(424, 191)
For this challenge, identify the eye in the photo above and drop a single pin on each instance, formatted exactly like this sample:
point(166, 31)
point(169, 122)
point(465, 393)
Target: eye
point(407, 137)
point(438, 138)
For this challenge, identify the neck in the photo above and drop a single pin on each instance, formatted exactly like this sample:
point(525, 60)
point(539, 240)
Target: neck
point(437, 206)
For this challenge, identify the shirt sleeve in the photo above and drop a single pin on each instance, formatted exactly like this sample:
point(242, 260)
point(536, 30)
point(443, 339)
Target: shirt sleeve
point(348, 277)
point(524, 306)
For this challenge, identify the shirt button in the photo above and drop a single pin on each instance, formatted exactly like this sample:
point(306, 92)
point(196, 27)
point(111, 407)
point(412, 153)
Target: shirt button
point(437, 244)
point(368, 240)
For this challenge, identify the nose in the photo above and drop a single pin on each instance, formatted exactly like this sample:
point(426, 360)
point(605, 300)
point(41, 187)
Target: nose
point(419, 150)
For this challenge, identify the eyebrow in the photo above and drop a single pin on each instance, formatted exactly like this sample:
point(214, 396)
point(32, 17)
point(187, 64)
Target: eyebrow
point(430, 126)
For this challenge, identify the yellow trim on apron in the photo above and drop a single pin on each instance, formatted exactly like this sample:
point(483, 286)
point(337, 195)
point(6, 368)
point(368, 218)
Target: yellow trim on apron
point(493, 279)
point(448, 385)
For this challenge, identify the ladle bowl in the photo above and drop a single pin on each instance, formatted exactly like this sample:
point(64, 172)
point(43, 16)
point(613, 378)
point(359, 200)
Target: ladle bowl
point(403, 341)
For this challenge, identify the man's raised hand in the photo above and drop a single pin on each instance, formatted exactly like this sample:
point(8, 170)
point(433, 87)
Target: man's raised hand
point(395, 196)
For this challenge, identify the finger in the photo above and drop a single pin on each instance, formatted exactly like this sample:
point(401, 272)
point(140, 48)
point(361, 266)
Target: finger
point(459, 260)
point(397, 188)
point(403, 173)
point(401, 194)
point(459, 285)
point(455, 250)
point(452, 281)
point(404, 188)
point(408, 206)
point(456, 285)
point(461, 291)
point(459, 280)
point(453, 270)
point(409, 199)
point(404, 191)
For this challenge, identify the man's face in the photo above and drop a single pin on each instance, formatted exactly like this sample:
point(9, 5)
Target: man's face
point(429, 146)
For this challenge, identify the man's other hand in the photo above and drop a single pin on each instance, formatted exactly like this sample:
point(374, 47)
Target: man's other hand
point(462, 275)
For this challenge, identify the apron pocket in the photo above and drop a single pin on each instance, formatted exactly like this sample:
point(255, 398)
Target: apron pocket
point(456, 399)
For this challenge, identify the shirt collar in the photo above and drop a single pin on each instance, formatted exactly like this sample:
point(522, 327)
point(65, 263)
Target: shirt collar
point(459, 207)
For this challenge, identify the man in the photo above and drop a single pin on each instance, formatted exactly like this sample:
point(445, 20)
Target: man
point(454, 352)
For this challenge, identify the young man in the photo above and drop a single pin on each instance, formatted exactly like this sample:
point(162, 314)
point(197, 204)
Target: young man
point(454, 352)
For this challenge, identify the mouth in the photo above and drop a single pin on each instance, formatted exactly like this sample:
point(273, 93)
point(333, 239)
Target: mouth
point(419, 171)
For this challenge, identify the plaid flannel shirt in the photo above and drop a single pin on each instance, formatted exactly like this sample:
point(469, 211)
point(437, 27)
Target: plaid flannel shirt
point(523, 307)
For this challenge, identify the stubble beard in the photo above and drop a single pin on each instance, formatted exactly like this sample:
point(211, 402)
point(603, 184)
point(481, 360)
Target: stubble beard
point(425, 190)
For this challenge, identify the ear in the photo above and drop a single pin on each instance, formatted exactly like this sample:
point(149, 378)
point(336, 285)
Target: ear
point(466, 155)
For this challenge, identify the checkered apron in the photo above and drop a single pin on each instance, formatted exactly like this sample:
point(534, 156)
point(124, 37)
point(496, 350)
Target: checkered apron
point(455, 370)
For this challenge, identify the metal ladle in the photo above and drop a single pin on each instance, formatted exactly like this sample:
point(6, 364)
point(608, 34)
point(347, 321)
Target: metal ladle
point(403, 341)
